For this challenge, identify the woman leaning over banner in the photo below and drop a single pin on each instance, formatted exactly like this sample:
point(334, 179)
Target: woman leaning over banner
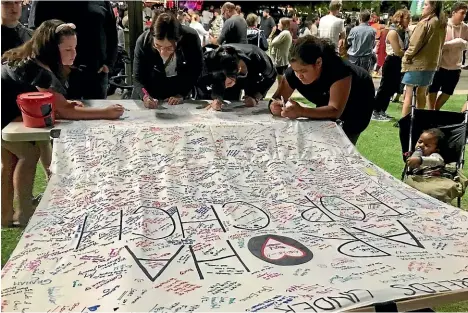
point(167, 62)
point(339, 89)
point(231, 68)
point(37, 65)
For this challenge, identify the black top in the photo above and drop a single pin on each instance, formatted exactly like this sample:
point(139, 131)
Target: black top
point(13, 37)
point(234, 31)
point(149, 69)
point(259, 66)
point(21, 79)
point(357, 113)
point(95, 27)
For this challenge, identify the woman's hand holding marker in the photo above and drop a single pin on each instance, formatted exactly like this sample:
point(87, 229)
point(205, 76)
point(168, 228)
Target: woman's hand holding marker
point(148, 101)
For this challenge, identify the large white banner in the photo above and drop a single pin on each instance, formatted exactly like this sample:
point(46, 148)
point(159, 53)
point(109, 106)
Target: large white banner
point(199, 211)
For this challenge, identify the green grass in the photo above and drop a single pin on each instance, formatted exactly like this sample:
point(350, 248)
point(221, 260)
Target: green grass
point(379, 143)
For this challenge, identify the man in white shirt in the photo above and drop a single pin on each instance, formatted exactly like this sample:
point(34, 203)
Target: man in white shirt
point(207, 16)
point(332, 27)
point(314, 29)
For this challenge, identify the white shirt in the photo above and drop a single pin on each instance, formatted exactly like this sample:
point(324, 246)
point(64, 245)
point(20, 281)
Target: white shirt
point(207, 16)
point(330, 27)
point(388, 45)
point(314, 30)
point(305, 33)
point(202, 33)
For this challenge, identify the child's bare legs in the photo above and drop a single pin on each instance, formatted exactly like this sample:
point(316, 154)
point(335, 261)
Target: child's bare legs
point(23, 177)
point(9, 161)
point(45, 148)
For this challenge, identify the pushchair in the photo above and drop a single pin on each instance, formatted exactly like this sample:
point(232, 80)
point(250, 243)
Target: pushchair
point(452, 124)
point(117, 77)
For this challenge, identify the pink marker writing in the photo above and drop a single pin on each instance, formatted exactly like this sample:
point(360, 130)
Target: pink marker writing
point(147, 94)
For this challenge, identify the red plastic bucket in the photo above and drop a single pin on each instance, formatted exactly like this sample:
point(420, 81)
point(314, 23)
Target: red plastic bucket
point(37, 109)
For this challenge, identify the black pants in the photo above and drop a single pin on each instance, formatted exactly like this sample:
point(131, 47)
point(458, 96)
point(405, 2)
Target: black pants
point(390, 82)
point(353, 137)
point(88, 85)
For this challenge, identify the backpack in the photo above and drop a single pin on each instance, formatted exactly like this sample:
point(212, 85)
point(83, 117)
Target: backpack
point(257, 38)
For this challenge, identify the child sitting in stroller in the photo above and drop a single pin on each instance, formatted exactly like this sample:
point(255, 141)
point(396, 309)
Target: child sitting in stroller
point(426, 160)
point(428, 173)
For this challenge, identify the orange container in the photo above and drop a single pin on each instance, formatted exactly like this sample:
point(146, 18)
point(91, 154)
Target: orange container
point(37, 109)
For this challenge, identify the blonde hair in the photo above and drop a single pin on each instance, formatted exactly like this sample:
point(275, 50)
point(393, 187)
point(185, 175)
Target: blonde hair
point(399, 16)
point(335, 5)
point(195, 17)
point(251, 20)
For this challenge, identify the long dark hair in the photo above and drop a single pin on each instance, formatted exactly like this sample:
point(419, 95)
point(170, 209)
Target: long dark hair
point(438, 11)
point(223, 61)
point(43, 46)
point(308, 49)
point(165, 25)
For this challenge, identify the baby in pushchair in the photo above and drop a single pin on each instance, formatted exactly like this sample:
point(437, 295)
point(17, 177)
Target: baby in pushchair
point(427, 170)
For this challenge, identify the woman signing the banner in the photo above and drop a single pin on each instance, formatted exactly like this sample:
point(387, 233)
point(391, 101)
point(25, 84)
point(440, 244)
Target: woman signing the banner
point(339, 89)
point(231, 68)
point(167, 63)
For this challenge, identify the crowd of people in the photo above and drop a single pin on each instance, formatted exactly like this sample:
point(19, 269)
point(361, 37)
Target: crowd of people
point(218, 54)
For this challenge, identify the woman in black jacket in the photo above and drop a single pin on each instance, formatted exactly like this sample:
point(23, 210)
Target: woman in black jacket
point(168, 61)
point(232, 67)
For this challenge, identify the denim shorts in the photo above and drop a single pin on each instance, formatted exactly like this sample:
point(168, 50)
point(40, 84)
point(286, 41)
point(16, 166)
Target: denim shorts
point(422, 78)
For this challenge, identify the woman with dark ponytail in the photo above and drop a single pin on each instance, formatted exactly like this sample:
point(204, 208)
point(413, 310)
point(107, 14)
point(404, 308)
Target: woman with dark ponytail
point(339, 89)
point(231, 68)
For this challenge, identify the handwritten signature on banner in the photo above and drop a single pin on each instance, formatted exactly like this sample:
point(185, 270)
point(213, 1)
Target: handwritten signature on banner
point(227, 213)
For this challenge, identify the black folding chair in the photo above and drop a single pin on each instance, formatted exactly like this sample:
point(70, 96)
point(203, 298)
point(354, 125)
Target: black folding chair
point(452, 124)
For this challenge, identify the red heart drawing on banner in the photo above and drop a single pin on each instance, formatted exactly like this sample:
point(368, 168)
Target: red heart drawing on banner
point(276, 250)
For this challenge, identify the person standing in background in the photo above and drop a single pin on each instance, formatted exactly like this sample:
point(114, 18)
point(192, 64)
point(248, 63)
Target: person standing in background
point(255, 36)
point(396, 42)
point(97, 41)
point(314, 28)
point(267, 25)
point(380, 51)
point(361, 41)
point(234, 28)
point(448, 75)
point(14, 33)
point(207, 16)
point(198, 27)
point(239, 11)
point(280, 48)
point(331, 27)
point(217, 23)
point(305, 30)
point(293, 26)
point(422, 56)
point(26, 9)
point(19, 157)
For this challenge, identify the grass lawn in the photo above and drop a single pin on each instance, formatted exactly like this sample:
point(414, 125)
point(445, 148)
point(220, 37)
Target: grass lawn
point(379, 143)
